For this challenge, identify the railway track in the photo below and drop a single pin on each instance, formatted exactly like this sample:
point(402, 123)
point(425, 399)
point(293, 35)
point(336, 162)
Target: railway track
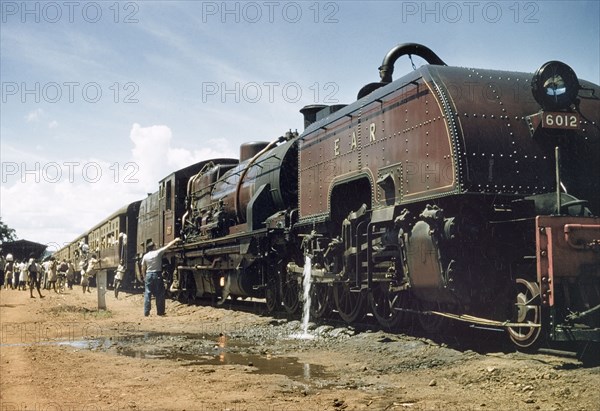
point(458, 335)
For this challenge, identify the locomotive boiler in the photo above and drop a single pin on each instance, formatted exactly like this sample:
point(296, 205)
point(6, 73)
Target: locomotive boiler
point(231, 247)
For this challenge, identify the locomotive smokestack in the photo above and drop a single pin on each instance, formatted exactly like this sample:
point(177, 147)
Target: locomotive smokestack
point(310, 113)
point(387, 66)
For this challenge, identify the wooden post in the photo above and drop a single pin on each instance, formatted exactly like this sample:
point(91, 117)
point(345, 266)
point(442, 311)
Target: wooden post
point(101, 286)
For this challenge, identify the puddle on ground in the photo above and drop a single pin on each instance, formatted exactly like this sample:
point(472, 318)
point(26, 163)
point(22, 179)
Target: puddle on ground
point(78, 344)
point(213, 350)
point(196, 349)
point(203, 349)
point(261, 364)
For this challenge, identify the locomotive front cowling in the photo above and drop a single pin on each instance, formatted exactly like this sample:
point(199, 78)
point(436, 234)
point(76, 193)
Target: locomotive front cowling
point(568, 240)
point(533, 144)
point(507, 141)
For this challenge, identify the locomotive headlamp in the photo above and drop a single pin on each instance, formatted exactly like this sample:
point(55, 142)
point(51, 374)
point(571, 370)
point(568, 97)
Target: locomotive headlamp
point(555, 86)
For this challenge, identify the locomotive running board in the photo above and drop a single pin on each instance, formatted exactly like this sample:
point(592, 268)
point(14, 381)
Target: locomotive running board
point(471, 319)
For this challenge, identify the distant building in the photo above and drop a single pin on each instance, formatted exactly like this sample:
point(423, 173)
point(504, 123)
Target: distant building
point(22, 249)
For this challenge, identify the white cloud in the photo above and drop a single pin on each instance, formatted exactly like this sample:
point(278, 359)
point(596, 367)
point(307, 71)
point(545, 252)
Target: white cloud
point(156, 158)
point(58, 203)
point(52, 202)
point(53, 124)
point(34, 116)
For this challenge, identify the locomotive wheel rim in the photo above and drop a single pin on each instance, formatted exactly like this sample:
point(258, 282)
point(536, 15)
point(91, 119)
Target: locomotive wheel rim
point(271, 296)
point(290, 296)
point(350, 305)
point(526, 312)
point(432, 323)
point(383, 305)
point(320, 297)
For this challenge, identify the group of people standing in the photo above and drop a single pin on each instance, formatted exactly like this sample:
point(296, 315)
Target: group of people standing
point(48, 274)
point(52, 271)
point(18, 274)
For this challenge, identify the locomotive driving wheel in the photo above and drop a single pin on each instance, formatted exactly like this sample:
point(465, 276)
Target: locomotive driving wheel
point(320, 300)
point(432, 323)
point(384, 303)
point(271, 295)
point(290, 295)
point(528, 311)
point(351, 305)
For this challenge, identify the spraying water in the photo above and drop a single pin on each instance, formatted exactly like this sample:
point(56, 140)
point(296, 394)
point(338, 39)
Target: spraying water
point(306, 274)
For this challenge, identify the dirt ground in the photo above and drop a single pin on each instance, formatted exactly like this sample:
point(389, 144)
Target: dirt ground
point(61, 353)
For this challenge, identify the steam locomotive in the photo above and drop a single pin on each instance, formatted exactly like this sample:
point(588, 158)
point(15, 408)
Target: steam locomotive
point(450, 194)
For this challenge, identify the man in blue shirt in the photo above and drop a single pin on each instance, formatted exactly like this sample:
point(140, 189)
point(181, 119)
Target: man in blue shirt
point(152, 274)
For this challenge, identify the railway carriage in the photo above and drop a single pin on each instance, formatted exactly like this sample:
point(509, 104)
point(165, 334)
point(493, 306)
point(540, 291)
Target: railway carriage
point(111, 241)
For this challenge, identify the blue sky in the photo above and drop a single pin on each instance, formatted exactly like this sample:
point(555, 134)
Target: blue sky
point(102, 99)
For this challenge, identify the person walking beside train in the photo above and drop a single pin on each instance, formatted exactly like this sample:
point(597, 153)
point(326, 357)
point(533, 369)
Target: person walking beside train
point(88, 271)
point(9, 268)
point(152, 276)
point(34, 271)
point(51, 275)
point(119, 275)
point(2, 267)
point(22, 279)
point(70, 274)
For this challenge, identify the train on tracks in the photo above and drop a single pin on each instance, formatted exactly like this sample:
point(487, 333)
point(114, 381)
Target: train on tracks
point(448, 194)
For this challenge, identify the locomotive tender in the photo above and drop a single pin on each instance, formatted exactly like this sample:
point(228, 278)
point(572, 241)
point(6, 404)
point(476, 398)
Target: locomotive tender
point(455, 193)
